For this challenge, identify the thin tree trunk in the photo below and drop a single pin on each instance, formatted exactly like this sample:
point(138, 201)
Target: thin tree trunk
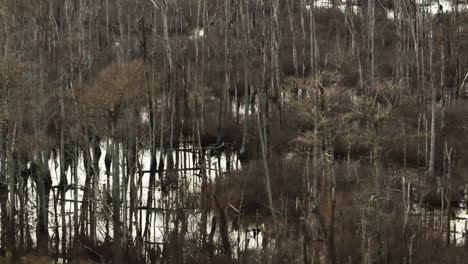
point(448, 156)
point(433, 110)
point(246, 29)
point(118, 243)
point(371, 24)
point(12, 188)
point(262, 136)
point(331, 248)
point(223, 228)
point(3, 184)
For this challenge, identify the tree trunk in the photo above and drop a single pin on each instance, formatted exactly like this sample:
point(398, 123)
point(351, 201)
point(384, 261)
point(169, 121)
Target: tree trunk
point(12, 189)
point(433, 111)
point(331, 248)
point(118, 243)
point(243, 153)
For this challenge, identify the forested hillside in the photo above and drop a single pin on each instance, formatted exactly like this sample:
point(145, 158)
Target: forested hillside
point(233, 131)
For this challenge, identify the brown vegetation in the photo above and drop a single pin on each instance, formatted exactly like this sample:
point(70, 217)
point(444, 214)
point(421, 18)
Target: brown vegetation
point(232, 132)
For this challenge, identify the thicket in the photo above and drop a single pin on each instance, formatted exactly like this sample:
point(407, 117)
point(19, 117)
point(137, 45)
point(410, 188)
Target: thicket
point(336, 134)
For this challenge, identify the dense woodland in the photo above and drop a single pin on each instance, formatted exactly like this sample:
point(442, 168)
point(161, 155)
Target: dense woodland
point(233, 131)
